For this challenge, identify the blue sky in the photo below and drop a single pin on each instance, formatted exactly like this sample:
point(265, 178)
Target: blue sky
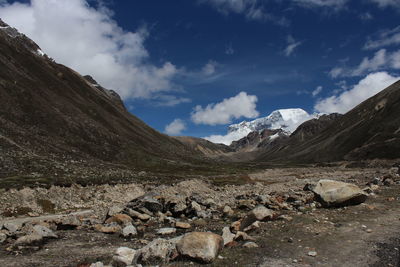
point(167, 57)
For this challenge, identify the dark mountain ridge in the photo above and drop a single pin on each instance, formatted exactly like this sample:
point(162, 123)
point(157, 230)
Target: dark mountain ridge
point(50, 113)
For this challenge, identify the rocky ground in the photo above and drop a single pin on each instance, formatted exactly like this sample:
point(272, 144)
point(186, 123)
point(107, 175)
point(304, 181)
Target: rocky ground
point(278, 217)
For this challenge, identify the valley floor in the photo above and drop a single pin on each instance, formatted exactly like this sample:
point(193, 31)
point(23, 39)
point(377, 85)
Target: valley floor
point(367, 234)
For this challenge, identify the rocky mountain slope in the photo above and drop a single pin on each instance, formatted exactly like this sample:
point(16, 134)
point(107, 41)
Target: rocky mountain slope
point(370, 130)
point(52, 118)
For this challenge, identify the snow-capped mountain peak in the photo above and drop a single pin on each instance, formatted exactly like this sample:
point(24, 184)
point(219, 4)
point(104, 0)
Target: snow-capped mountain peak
point(286, 119)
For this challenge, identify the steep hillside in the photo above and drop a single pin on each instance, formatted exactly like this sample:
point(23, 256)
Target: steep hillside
point(203, 146)
point(52, 118)
point(370, 130)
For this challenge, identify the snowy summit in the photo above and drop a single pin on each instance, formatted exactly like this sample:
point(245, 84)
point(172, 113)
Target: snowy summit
point(286, 119)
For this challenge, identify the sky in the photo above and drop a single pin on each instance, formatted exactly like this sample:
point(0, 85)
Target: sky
point(193, 67)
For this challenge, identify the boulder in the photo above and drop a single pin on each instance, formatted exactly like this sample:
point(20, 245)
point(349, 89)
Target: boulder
point(259, 213)
point(156, 252)
point(202, 246)
point(123, 256)
point(336, 194)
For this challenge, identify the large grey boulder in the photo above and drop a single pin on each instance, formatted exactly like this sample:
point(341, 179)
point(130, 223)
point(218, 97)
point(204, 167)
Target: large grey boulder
point(335, 194)
point(44, 231)
point(201, 246)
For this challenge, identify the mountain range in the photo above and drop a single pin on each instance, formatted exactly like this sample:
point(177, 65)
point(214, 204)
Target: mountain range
point(54, 122)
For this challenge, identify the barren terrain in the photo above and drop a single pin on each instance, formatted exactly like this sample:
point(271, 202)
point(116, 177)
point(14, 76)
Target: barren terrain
point(362, 235)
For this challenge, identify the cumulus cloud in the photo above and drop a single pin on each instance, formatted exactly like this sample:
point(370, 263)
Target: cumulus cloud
point(292, 45)
point(317, 91)
point(175, 127)
point(384, 38)
point(241, 105)
point(348, 99)
point(90, 41)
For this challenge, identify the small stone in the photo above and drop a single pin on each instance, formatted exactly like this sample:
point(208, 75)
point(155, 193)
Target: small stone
point(166, 231)
point(260, 213)
point(250, 245)
point(97, 264)
point(114, 210)
point(227, 236)
point(254, 226)
point(3, 238)
point(228, 211)
point(32, 239)
point(121, 219)
point(135, 214)
point(12, 227)
point(312, 253)
point(44, 231)
point(107, 229)
point(243, 236)
point(235, 226)
point(368, 230)
point(196, 206)
point(182, 225)
point(129, 230)
point(124, 256)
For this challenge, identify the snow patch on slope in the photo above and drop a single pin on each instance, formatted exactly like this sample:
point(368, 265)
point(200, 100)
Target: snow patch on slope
point(286, 119)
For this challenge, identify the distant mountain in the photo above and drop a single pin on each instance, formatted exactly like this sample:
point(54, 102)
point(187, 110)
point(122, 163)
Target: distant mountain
point(371, 130)
point(286, 120)
point(52, 119)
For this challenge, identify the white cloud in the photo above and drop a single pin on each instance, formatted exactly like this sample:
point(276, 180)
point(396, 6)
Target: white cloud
point(381, 60)
point(292, 45)
point(366, 16)
point(384, 38)
point(367, 87)
point(372, 64)
point(225, 139)
point(387, 3)
point(336, 72)
point(175, 127)
point(251, 9)
point(210, 68)
point(90, 41)
point(241, 105)
point(170, 100)
point(322, 3)
point(317, 91)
